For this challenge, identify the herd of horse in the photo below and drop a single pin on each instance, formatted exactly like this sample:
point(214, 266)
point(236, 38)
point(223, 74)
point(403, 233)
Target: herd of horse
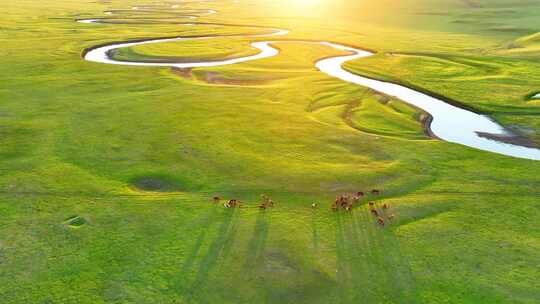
point(344, 202)
point(348, 201)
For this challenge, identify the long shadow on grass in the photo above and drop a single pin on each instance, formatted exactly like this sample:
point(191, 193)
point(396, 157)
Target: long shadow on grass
point(225, 223)
point(370, 266)
point(182, 280)
point(314, 232)
point(255, 249)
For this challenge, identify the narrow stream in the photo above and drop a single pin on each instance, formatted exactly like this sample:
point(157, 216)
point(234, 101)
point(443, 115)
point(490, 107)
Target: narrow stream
point(450, 123)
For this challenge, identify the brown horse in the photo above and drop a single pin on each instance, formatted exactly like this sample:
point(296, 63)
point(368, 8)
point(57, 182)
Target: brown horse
point(232, 203)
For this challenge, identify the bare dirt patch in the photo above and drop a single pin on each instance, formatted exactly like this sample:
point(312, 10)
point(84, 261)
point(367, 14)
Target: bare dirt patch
point(215, 78)
point(514, 140)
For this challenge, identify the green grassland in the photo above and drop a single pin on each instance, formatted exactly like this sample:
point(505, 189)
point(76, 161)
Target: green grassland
point(108, 172)
point(199, 49)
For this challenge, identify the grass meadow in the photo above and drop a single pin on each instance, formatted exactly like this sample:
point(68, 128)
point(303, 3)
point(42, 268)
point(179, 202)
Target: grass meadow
point(107, 172)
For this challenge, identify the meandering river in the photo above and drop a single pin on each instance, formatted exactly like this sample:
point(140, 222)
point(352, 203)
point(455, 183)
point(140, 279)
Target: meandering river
point(449, 123)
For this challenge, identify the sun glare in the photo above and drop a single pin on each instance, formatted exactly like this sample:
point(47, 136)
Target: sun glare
point(303, 7)
point(307, 2)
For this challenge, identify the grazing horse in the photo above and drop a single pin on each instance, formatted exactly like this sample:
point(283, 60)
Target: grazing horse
point(374, 212)
point(231, 203)
point(386, 206)
point(345, 201)
point(371, 204)
point(217, 199)
point(391, 217)
point(375, 192)
point(266, 202)
point(380, 220)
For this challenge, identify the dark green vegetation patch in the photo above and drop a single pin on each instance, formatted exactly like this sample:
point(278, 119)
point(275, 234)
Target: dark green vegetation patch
point(75, 221)
point(158, 183)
